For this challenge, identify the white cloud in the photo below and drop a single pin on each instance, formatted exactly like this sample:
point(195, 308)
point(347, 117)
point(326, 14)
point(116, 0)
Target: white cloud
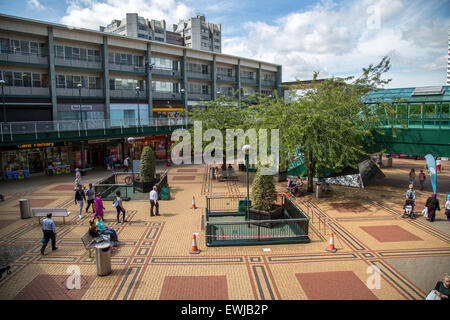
point(337, 40)
point(35, 4)
point(91, 14)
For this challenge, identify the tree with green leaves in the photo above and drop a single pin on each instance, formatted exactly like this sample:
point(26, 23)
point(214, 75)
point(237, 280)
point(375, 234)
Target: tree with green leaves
point(263, 191)
point(329, 121)
point(147, 165)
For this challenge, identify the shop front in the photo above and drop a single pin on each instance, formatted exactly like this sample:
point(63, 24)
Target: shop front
point(160, 145)
point(22, 160)
point(172, 110)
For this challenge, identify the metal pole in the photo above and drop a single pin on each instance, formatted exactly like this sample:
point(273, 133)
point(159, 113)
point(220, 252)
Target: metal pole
point(132, 167)
point(4, 105)
point(80, 113)
point(248, 193)
point(139, 113)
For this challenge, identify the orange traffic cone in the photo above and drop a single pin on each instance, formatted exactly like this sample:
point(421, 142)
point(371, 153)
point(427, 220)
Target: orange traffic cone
point(331, 247)
point(193, 203)
point(194, 245)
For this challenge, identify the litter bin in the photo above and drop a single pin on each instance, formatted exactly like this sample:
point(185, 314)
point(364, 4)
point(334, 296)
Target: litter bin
point(318, 190)
point(165, 193)
point(24, 208)
point(103, 257)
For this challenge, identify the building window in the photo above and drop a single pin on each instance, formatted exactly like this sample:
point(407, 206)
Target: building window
point(159, 39)
point(17, 78)
point(36, 80)
point(59, 51)
point(60, 81)
point(27, 79)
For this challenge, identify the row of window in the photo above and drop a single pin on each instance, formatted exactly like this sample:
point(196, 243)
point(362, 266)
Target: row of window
point(196, 88)
point(125, 59)
point(22, 47)
point(73, 53)
point(24, 79)
point(198, 68)
point(69, 81)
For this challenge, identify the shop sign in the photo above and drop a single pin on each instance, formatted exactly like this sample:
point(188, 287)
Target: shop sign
point(76, 107)
point(40, 145)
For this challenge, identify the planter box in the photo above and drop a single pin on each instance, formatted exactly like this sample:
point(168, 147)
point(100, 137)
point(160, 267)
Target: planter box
point(145, 186)
point(277, 212)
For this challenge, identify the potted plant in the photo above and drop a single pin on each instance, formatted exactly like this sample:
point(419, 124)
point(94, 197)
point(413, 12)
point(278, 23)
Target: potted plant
point(147, 173)
point(263, 199)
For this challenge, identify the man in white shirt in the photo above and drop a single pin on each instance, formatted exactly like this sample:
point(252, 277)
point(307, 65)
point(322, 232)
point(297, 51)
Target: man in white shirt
point(154, 201)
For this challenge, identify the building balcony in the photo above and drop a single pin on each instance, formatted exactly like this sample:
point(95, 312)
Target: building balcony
point(199, 96)
point(26, 91)
point(166, 95)
point(127, 93)
point(23, 58)
point(268, 83)
point(75, 92)
point(198, 75)
point(248, 81)
point(60, 62)
point(166, 72)
point(226, 78)
point(126, 68)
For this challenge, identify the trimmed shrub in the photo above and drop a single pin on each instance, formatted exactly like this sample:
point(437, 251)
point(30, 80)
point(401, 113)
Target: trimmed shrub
point(147, 165)
point(263, 192)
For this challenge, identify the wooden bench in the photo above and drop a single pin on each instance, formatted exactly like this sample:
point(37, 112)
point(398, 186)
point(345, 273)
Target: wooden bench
point(227, 175)
point(56, 212)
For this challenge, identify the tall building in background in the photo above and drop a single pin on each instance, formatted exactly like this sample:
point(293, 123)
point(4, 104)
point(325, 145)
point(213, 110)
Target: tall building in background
point(193, 33)
point(200, 35)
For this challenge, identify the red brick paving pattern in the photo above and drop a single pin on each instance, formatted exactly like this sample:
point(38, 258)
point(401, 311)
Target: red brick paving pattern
point(5, 223)
point(390, 233)
point(337, 285)
point(187, 170)
point(53, 287)
point(348, 207)
point(63, 187)
point(194, 288)
point(183, 178)
point(39, 203)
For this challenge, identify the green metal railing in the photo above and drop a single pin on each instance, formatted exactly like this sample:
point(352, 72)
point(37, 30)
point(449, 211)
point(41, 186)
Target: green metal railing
point(227, 225)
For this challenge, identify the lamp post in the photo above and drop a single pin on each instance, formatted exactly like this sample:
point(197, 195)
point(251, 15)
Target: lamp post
point(137, 99)
point(246, 150)
point(131, 142)
point(79, 85)
point(182, 91)
point(2, 84)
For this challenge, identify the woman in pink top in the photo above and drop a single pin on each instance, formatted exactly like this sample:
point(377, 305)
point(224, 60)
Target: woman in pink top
point(98, 206)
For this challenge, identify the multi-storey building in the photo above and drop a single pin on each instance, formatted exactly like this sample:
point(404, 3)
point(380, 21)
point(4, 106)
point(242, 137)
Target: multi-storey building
point(201, 35)
point(193, 33)
point(448, 59)
point(54, 72)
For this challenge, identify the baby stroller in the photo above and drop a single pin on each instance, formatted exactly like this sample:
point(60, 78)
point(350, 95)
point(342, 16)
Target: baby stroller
point(409, 209)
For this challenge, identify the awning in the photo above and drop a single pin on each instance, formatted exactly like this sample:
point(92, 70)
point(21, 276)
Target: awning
point(168, 109)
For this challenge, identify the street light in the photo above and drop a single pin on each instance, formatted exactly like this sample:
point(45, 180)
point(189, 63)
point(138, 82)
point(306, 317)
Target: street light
point(139, 113)
point(131, 142)
point(246, 149)
point(2, 84)
point(79, 85)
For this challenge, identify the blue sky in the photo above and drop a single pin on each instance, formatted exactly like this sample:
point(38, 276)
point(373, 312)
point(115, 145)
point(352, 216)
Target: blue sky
point(336, 38)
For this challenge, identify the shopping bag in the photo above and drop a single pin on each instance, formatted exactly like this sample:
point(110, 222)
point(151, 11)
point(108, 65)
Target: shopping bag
point(432, 296)
point(425, 212)
point(114, 204)
point(43, 239)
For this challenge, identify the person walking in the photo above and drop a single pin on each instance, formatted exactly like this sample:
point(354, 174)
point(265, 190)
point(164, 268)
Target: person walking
point(432, 204)
point(438, 164)
point(90, 196)
point(447, 210)
point(77, 179)
point(111, 162)
point(49, 230)
point(412, 176)
point(154, 201)
point(119, 207)
point(126, 164)
point(98, 206)
point(79, 197)
point(422, 178)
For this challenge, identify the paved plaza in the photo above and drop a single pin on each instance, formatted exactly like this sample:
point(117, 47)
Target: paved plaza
point(153, 260)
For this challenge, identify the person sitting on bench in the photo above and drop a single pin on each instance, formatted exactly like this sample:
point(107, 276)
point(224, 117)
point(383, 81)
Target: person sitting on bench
point(107, 231)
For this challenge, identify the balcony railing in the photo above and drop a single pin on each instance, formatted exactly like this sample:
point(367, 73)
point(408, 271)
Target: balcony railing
point(78, 63)
point(127, 93)
point(198, 75)
point(23, 58)
point(248, 80)
point(268, 83)
point(166, 72)
point(226, 78)
point(166, 95)
point(26, 91)
point(10, 131)
point(199, 96)
point(126, 68)
point(74, 92)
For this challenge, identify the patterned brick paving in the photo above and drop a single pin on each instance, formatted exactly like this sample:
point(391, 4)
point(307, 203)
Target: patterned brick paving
point(390, 233)
point(194, 288)
point(153, 260)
